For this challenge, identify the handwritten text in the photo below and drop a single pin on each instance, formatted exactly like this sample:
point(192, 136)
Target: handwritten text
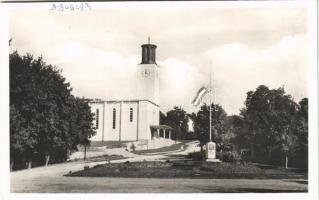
point(70, 7)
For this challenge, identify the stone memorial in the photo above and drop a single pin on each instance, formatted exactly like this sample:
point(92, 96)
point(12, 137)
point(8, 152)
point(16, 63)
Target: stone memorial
point(211, 152)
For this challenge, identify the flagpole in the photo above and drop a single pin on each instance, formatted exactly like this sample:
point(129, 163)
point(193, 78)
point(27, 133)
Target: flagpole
point(210, 103)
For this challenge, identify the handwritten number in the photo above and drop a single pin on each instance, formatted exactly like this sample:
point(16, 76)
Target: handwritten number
point(88, 6)
point(62, 7)
point(53, 7)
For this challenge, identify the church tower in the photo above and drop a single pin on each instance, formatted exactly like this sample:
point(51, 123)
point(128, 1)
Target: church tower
point(148, 74)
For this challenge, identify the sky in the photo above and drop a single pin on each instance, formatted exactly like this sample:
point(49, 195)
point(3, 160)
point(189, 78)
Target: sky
point(99, 50)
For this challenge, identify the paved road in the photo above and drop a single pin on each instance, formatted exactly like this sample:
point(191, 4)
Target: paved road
point(123, 185)
point(51, 179)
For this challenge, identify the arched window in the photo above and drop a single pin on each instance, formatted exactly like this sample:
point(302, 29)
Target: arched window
point(114, 118)
point(97, 119)
point(131, 114)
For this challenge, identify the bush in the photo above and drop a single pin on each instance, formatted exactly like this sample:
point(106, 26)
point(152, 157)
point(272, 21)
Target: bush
point(198, 156)
point(229, 156)
point(133, 147)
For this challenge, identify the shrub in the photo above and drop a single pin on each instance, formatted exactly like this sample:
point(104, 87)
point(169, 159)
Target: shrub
point(133, 147)
point(198, 156)
point(229, 156)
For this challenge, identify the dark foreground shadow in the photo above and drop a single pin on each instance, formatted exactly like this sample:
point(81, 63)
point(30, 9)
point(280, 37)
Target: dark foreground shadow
point(248, 190)
point(260, 190)
point(298, 181)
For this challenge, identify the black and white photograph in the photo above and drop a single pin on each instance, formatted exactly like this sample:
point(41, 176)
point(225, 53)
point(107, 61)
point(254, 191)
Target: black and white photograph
point(161, 97)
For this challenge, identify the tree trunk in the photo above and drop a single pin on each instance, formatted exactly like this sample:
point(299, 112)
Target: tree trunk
point(252, 152)
point(269, 155)
point(29, 164)
point(47, 158)
point(11, 166)
point(286, 162)
point(84, 152)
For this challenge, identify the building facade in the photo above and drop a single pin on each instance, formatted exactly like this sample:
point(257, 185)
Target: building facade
point(132, 120)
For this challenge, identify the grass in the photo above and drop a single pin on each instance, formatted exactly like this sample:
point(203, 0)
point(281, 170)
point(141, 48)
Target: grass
point(102, 158)
point(94, 146)
point(107, 143)
point(173, 147)
point(187, 169)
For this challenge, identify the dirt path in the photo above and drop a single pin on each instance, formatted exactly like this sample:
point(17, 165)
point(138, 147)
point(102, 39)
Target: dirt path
point(59, 170)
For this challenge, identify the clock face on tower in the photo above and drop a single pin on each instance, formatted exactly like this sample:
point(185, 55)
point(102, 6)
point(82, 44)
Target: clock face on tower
point(146, 72)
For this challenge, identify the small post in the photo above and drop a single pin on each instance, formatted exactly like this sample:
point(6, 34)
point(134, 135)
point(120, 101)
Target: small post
point(85, 152)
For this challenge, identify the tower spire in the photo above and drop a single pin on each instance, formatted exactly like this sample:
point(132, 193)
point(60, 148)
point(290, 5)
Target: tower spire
point(149, 40)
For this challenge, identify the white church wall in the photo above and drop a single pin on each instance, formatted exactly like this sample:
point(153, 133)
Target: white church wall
point(148, 115)
point(143, 129)
point(112, 133)
point(128, 127)
point(98, 121)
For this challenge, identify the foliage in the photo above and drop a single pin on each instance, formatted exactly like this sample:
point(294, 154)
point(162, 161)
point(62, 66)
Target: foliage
point(197, 156)
point(177, 119)
point(271, 124)
point(133, 147)
point(220, 126)
point(270, 128)
point(45, 118)
point(228, 156)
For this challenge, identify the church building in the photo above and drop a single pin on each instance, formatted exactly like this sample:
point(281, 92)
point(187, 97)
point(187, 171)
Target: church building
point(137, 119)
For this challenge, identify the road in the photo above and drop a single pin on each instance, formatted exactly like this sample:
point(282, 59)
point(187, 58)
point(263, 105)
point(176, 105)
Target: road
point(51, 179)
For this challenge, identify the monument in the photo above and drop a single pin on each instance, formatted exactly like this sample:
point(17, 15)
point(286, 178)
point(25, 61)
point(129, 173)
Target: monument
point(210, 151)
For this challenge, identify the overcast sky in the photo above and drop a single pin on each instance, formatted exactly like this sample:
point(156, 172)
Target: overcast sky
point(99, 50)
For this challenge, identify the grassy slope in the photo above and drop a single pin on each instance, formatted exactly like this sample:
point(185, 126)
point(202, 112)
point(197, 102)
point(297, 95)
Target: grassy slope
point(173, 147)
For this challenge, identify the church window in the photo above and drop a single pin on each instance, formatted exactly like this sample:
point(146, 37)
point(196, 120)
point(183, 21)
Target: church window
point(114, 118)
point(97, 119)
point(131, 114)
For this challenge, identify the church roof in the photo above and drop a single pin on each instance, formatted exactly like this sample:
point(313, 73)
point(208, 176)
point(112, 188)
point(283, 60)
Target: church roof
point(118, 101)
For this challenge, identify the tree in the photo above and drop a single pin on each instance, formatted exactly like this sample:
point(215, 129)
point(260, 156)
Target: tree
point(22, 139)
point(81, 124)
point(241, 137)
point(177, 119)
point(301, 132)
point(44, 112)
point(270, 116)
point(220, 126)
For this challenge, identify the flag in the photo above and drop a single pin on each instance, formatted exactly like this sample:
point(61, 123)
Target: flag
point(200, 94)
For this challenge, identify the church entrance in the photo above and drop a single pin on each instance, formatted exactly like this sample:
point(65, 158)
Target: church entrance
point(162, 131)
